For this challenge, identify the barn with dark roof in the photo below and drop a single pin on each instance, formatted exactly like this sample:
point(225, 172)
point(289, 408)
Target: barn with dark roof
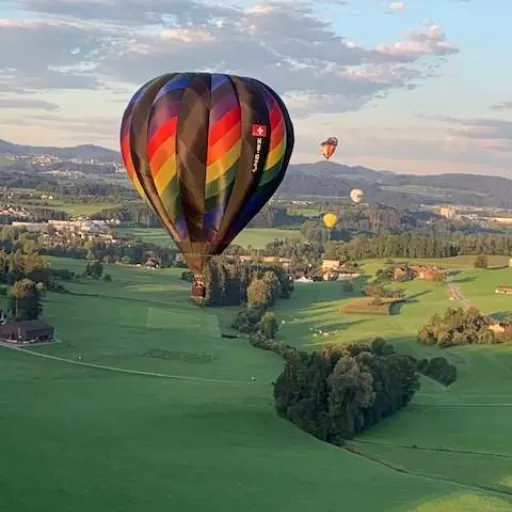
point(26, 331)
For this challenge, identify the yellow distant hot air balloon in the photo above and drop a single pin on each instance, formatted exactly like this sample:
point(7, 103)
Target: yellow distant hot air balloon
point(356, 195)
point(330, 220)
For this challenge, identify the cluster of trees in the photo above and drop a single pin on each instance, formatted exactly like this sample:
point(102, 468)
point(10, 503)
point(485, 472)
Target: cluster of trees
point(232, 284)
point(17, 265)
point(374, 218)
point(88, 190)
point(262, 327)
point(127, 251)
point(438, 368)
point(36, 214)
point(418, 244)
point(135, 214)
point(389, 273)
point(25, 300)
point(481, 261)
point(337, 393)
point(460, 327)
point(378, 291)
point(28, 277)
point(20, 179)
point(94, 269)
point(274, 216)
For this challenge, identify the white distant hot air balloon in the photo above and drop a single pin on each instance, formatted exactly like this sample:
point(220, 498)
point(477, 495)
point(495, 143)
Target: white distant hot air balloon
point(356, 195)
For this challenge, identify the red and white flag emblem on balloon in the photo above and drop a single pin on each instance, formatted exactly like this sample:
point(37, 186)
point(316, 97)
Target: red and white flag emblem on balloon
point(259, 130)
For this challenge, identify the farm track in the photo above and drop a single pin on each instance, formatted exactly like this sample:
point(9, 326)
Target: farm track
point(435, 450)
point(499, 491)
point(456, 293)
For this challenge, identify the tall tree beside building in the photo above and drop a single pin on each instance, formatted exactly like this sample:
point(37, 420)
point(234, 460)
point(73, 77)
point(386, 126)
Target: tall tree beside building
point(25, 302)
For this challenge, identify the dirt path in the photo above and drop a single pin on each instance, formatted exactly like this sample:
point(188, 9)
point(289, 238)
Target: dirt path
point(455, 292)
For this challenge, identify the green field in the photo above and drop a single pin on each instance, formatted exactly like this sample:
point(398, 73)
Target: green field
point(73, 209)
point(305, 212)
point(426, 191)
point(369, 306)
point(457, 433)
point(256, 237)
point(189, 430)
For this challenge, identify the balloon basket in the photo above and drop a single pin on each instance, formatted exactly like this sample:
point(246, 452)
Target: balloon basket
point(198, 293)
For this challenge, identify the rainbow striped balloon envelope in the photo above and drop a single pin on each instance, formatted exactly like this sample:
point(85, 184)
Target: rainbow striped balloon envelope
point(206, 151)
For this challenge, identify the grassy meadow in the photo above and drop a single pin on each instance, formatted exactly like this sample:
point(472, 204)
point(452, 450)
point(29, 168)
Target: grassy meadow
point(59, 203)
point(143, 406)
point(256, 237)
point(73, 209)
point(457, 433)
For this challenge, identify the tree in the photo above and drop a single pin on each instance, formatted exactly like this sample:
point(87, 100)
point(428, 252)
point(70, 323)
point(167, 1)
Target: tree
point(481, 261)
point(268, 325)
point(94, 269)
point(350, 391)
point(258, 293)
point(25, 303)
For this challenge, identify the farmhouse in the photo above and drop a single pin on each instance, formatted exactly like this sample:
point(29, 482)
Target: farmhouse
point(504, 289)
point(26, 331)
point(331, 265)
point(405, 272)
point(151, 263)
point(285, 262)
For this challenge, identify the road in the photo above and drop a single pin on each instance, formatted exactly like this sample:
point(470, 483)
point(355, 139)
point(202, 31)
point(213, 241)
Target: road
point(455, 292)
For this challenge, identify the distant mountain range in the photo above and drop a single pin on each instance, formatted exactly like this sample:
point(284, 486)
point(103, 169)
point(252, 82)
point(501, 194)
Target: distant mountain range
point(329, 179)
point(86, 151)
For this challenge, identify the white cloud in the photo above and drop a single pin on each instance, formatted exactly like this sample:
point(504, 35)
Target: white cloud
point(96, 43)
point(429, 41)
point(504, 105)
point(90, 45)
point(397, 6)
point(26, 103)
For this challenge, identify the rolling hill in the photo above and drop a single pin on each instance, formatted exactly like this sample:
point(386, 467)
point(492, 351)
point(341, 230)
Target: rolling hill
point(330, 179)
point(86, 151)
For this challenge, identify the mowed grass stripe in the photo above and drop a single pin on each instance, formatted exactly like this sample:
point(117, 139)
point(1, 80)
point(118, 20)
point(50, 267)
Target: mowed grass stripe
point(121, 370)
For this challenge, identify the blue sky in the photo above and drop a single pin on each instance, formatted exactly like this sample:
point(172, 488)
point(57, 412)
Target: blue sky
point(419, 86)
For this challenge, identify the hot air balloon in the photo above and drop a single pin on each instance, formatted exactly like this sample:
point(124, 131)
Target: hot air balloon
point(356, 195)
point(206, 151)
point(328, 147)
point(330, 220)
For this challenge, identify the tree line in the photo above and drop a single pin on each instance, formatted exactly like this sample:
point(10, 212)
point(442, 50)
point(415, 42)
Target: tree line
point(233, 284)
point(462, 327)
point(416, 244)
point(129, 251)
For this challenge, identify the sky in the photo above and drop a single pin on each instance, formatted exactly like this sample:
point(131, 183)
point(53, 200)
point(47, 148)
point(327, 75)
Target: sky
point(419, 86)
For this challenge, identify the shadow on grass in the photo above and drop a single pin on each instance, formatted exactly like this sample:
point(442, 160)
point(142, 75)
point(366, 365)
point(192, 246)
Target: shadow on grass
point(501, 315)
point(419, 294)
point(396, 307)
point(466, 279)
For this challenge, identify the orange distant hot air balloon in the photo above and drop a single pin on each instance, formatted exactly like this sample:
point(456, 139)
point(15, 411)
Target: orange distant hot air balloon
point(328, 147)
